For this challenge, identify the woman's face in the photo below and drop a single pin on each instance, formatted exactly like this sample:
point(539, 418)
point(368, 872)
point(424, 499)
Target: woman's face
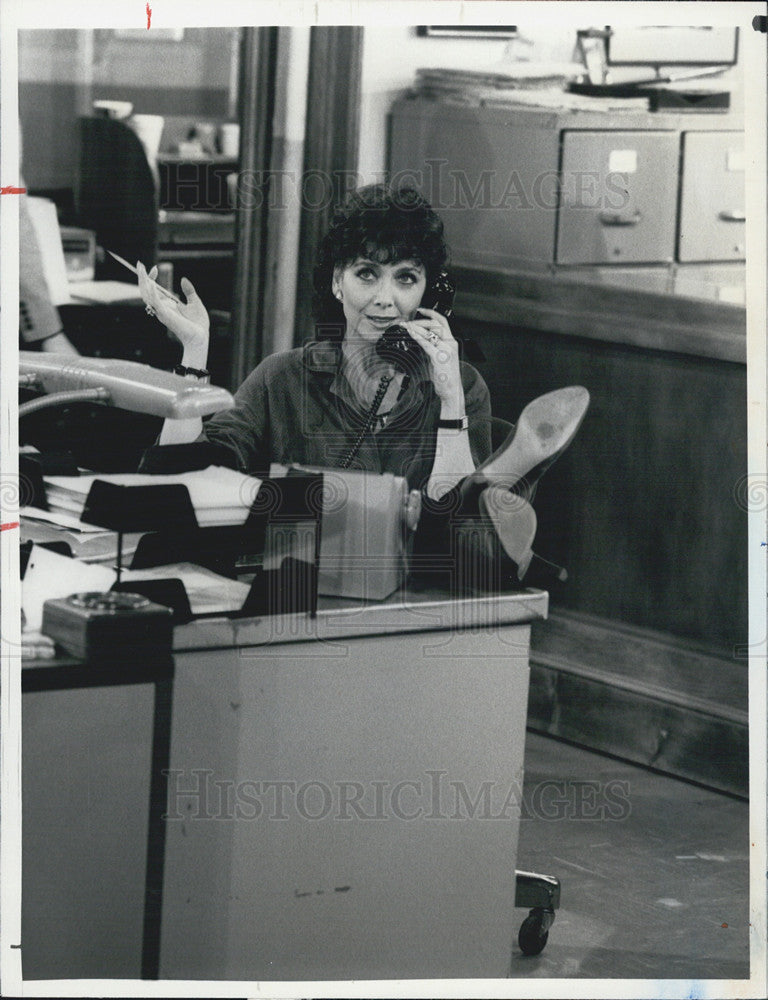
point(375, 295)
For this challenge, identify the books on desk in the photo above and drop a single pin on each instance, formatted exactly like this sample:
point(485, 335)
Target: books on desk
point(219, 496)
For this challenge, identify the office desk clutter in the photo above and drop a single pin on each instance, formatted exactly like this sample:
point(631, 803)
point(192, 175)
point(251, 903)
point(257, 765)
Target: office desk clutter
point(219, 496)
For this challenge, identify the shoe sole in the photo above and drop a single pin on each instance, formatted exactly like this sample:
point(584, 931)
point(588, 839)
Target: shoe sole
point(546, 427)
point(513, 521)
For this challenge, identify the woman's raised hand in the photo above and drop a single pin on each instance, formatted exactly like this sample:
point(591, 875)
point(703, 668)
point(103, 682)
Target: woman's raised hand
point(188, 320)
point(433, 333)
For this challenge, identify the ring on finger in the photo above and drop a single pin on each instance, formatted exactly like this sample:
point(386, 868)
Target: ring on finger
point(434, 339)
point(149, 310)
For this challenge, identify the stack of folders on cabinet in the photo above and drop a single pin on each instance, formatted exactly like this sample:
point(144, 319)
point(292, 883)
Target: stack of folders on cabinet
point(475, 86)
point(530, 84)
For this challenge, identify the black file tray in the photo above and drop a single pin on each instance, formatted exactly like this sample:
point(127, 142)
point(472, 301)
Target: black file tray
point(292, 588)
point(660, 98)
point(170, 592)
point(164, 507)
point(172, 534)
point(169, 458)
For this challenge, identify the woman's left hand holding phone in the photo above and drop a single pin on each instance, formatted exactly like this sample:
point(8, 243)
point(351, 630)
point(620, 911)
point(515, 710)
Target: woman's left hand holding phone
point(188, 321)
point(453, 455)
point(432, 332)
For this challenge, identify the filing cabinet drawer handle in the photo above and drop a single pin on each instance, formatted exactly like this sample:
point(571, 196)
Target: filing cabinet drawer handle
point(732, 215)
point(620, 218)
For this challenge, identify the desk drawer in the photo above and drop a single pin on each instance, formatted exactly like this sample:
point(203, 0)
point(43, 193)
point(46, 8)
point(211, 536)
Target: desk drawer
point(617, 201)
point(712, 210)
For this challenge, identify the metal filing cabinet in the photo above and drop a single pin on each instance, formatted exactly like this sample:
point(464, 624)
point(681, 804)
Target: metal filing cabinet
point(712, 216)
point(483, 174)
point(532, 188)
point(626, 214)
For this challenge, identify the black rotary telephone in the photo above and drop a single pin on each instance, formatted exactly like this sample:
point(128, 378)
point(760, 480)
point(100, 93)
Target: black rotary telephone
point(396, 345)
point(399, 348)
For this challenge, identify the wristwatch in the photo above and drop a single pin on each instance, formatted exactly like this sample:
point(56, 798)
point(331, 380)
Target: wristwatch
point(199, 374)
point(455, 425)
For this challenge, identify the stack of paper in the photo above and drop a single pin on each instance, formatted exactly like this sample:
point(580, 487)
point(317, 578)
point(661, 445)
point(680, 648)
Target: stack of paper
point(87, 542)
point(474, 86)
point(560, 100)
point(50, 575)
point(208, 592)
point(219, 496)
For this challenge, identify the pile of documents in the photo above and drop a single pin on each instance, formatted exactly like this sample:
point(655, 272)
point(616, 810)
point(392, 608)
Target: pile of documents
point(50, 575)
point(516, 84)
point(474, 86)
point(219, 496)
point(86, 542)
point(558, 99)
point(208, 592)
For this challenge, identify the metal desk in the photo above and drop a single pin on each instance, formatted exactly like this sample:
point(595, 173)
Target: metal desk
point(343, 799)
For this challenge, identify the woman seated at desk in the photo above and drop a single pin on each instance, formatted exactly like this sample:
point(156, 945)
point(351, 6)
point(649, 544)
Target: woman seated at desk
point(341, 401)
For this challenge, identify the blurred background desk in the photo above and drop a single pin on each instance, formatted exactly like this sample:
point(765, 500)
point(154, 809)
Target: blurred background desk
point(176, 209)
point(122, 329)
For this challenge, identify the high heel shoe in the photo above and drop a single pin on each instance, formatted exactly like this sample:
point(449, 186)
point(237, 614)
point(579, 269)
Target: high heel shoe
point(543, 431)
point(513, 521)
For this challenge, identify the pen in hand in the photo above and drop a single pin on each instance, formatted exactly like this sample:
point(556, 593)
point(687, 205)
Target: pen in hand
point(124, 263)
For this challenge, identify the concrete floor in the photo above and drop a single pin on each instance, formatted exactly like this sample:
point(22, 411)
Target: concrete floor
point(654, 871)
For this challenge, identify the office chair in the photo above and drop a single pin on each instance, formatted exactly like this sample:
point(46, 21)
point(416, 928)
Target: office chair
point(116, 194)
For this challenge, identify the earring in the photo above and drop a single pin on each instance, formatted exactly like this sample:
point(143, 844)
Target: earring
point(338, 295)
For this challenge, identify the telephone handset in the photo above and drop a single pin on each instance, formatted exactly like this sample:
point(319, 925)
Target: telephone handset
point(396, 345)
point(441, 292)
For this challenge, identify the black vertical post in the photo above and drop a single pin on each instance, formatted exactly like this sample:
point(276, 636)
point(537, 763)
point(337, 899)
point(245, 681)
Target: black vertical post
point(158, 795)
point(330, 147)
point(258, 65)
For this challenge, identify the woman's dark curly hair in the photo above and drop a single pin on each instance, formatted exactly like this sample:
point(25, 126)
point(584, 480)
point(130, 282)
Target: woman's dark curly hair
point(379, 223)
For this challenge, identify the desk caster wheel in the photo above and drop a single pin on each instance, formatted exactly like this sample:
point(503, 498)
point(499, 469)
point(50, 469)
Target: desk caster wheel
point(534, 931)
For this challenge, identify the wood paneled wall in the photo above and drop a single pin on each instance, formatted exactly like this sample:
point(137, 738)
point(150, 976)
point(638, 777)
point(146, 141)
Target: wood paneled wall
point(644, 507)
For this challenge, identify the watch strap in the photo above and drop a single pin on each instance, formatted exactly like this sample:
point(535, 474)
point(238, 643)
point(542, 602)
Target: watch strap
point(455, 425)
point(198, 373)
